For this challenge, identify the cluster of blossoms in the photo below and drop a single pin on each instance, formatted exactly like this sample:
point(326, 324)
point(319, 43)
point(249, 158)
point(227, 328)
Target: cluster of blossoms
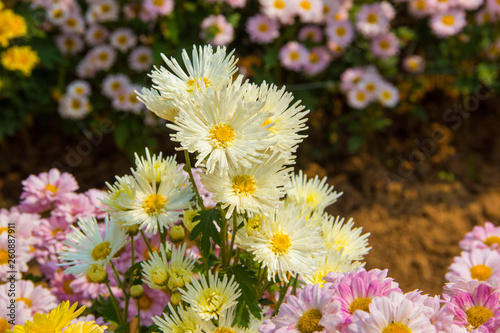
point(364, 85)
point(16, 57)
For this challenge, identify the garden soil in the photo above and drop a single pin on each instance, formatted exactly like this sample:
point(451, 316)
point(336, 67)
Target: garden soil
point(415, 219)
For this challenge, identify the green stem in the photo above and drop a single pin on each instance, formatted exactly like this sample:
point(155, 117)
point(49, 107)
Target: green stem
point(282, 297)
point(295, 282)
point(163, 236)
point(223, 247)
point(146, 241)
point(115, 304)
point(237, 256)
point(118, 280)
point(233, 236)
point(191, 178)
point(133, 250)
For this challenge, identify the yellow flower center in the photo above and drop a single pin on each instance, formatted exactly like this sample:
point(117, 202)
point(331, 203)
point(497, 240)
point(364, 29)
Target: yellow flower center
point(67, 288)
point(4, 325)
point(101, 251)
point(384, 45)
point(57, 13)
point(312, 199)
point(420, 4)
point(158, 3)
point(480, 272)
point(105, 8)
point(143, 58)
point(244, 185)
point(280, 243)
point(309, 321)
point(254, 224)
point(294, 55)
point(360, 96)
point(448, 20)
point(224, 330)
point(361, 303)
point(4, 257)
point(492, 240)
point(263, 27)
point(154, 203)
point(222, 134)
point(192, 81)
point(79, 90)
point(132, 98)
point(75, 104)
point(69, 44)
point(396, 328)
point(145, 302)
point(313, 58)
point(279, 4)
point(478, 315)
point(51, 188)
point(115, 85)
point(103, 56)
point(211, 300)
point(371, 87)
point(306, 5)
point(26, 301)
point(71, 22)
point(413, 65)
point(386, 95)
point(372, 18)
point(122, 40)
point(98, 34)
point(3, 229)
point(341, 31)
point(159, 276)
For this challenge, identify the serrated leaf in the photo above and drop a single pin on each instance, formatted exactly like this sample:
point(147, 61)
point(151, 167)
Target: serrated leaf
point(207, 229)
point(106, 310)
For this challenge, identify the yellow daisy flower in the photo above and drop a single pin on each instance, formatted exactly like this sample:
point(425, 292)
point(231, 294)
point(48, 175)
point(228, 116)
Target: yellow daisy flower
point(22, 58)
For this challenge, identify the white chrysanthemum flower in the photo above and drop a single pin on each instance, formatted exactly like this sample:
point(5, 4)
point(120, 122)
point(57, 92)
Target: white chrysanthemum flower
point(225, 324)
point(155, 270)
point(341, 236)
point(254, 190)
point(86, 248)
point(223, 128)
point(210, 298)
point(180, 268)
point(332, 261)
point(122, 194)
point(314, 194)
point(179, 320)
point(286, 243)
point(155, 167)
point(156, 103)
point(123, 39)
point(157, 204)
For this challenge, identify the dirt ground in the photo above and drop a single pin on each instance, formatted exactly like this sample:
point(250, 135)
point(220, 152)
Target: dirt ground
point(415, 219)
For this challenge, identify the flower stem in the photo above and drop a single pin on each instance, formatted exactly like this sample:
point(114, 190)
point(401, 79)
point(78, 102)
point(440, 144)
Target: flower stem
point(146, 241)
point(187, 168)
point(115, 304)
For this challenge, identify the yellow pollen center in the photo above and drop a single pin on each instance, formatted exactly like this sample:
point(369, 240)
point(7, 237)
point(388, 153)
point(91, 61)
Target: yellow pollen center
point(26, 301)
point(478, 315)
point(79, 90)
point(370, 87)
point(122, 40)
point(294, 56)
point(413, 65)
point(206, 81)
point(101, 251)
point(279, 4)
point(57, 13)
point(280, 243)
point(396, 328)
point(154, 203)
point(222, 134)
point(51, 188)
point(492, 240)
point(244, 185)
point(386, 95)
point(341, 31)
point(421, 5)
point(211, 300)
point(75, 104)
point(311, 199)
point(158, 3)
point(67, 288)
point(4, 257)
point(105, 8)
point(103, 56)
point(448, 20)
point(145, 302)
point(372, 18)
point(69, 43)
point(309, 322)
point(3, 229)
point(361, 303)
point(98, 34)
point(480, 272)
point(71, 22)
point(313, 58)
point(224, 330)
point(143, 58)
point(263, 27)
point(306, 5)
point(115, 85)
point(384, 45)
point(254, 224)
point(360, 96)
point(4, 325)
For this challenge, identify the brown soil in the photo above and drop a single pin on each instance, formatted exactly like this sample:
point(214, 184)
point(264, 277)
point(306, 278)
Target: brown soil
point(415, 222)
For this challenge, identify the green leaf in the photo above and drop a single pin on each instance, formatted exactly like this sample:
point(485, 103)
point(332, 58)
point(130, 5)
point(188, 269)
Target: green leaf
point(487, 73)
point(355, 142)
point(248, 298)
point(207, 228)
point(105, 308)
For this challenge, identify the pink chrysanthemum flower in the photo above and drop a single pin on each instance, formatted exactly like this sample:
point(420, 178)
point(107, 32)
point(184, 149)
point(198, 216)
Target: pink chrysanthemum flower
point(414, 64)
point(418, 8)
point(24, 225)
point(96, 34)
point(493, 6)
point(310, 33)
point(470, 4)
point(385, 45)
point(371, 20)
point(440, 5)
point(319, 58)
point(73, 206)
point(78, 88)
point(161, 7)
point(478, 264)
point(293, 55)
point(262, 29)
point(69, 43)
point(42, 190)
point(340, 32)
point(151, 304)
point(95, 197)
point(393, 313)
point(478, 310)
point(281, 10)
point(309, 11)
point(359, 98)
point(60, 286)
point(312, 310)
point(102, 57)
point(351, 78)
point(388, 95)
point(141, 58)
point(481, 237)
point(216, 30)
point(90, 290)
point(448, 23)
point(37, 298)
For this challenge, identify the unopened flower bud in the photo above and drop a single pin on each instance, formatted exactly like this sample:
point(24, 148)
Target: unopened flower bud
point(97, 274)
point(133, 230)
point(136, 291)
point(159, 277)
point(176, 299)
point(177, 234)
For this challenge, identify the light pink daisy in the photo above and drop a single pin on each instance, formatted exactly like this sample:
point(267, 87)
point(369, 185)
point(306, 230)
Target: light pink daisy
point(493, 6)
point(73, 206)
point(310, 33)
point(216, 30)
point(96, 34)
point(393, 313)
point(481, 237)
point(440, 5)
point(293, 55)
point(359, 98)
point(123, 39)
point(340, 32)
point(309, 11)
point(319, 58)
point(42, 190)
point(103, 11)
point(385, 45)
point(73, 24)
point(115, 84)
point(141, 58)
point(418, 8)
point(37, 298)
point(102, 57)
point(69, 43)
point(95, 197)
point(92, 291)
point(262, 29)
point(351, 78)
point(388, 9)
point(78, 88)
point(60, 286)
point(371, 20)
point(478, 264)
point(478, 310)
point(159, 7)
point(449, 23)
point(388, 95)
point(282, 10)
point(414, 64)
point(470, 4)
point(313, 309)
point(151, 304)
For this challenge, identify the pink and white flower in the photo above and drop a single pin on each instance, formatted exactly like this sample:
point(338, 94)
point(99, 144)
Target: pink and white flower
point(293, 55)
point(385, 45)
point(448, 23)
point(216, 30)
point(262, 29)
point(478, 264)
